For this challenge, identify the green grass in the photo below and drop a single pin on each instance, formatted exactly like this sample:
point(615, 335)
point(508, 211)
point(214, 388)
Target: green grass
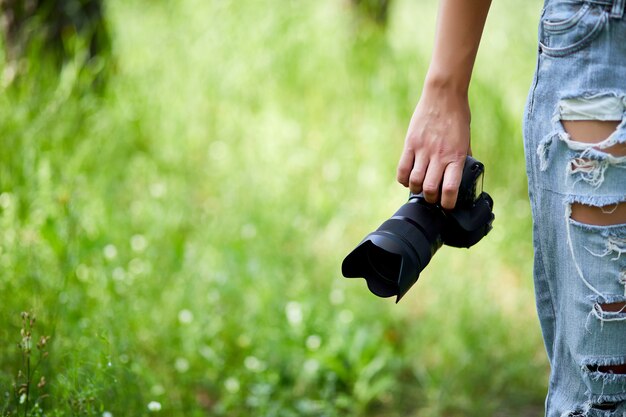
point(180, 234)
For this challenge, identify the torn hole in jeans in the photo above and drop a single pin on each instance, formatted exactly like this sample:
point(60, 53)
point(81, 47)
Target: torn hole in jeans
point(609, 308)
point(608, 369)
point(607, 226)
point(595, 134)
point(594, 120)
point(595, 409)
point(600, 215)
point(606, 406)
point(605, 377)
point(592, 123)
point(600, 148)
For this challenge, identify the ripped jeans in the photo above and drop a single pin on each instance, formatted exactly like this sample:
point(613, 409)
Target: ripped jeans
point(577, 188)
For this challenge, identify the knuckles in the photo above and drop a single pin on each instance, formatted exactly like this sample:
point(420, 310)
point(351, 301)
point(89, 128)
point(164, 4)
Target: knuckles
point(402, 180)
point(430, 191)
point(402, 175)
point(449, 190)
point(448, 205)
point(415, 183)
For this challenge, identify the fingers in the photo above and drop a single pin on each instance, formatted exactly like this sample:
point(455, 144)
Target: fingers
point(451, 182)
point(417, 174)
point(404, 167)
point(435, 146)
point(431, 177)
point(432, 181)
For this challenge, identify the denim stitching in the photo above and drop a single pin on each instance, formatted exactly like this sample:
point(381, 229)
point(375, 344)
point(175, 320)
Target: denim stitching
point(559, 52)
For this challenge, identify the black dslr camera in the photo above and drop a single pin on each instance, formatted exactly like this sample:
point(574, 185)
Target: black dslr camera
point(391, 258)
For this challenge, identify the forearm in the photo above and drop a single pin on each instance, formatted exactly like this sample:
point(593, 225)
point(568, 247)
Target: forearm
point(438, 138)
point(460, 25)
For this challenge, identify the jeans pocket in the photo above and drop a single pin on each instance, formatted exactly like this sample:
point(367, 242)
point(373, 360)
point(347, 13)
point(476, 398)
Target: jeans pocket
point(569, 26)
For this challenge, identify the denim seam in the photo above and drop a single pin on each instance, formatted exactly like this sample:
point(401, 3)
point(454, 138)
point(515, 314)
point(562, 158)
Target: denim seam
point(545, 274)
point(550, 290)
point(533, 87)
point(533, 176)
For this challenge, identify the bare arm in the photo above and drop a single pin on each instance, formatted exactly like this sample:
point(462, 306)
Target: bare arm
point(438, 137)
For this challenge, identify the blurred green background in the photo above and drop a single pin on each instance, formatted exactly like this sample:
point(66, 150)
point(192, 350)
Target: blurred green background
point(178, 228)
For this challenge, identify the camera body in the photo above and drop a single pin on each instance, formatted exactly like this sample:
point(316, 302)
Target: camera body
point(392, 257)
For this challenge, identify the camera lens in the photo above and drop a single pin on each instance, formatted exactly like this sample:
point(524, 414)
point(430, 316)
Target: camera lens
point(385, 264)
point(392, 257)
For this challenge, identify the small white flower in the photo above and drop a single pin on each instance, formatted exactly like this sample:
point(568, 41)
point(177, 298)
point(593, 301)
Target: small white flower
point(82, 272)
point(346, 316)
point(254, 364)
point(293, 310)
point(248, 231)
point(313, 342)
point(5, 200)
point(154, 406)
point(185, 316)
point(181, 365)
point(336, 296)
point(158, 189)
point(311, 366)
point(110, 251)
point(232, 385)
point(107, 414)
point(119, 274)
point(208, 353)
point(136, 266)
point(22, 398)
point(138, 243)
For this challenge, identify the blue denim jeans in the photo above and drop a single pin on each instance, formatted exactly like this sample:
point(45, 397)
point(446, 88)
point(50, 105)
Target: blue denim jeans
point(580, 75)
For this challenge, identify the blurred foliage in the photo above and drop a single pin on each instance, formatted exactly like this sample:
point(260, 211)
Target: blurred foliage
point(179, 234)
point(375, 10)
point(57, 30)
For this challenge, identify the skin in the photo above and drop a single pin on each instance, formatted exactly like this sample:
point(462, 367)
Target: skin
point(438, 137)
point(594, 131)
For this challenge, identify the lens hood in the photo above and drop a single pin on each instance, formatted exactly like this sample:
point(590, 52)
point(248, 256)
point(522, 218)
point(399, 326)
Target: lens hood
point(391, 258)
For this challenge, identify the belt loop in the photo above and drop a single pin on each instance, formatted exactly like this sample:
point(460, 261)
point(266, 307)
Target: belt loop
point(617, 11)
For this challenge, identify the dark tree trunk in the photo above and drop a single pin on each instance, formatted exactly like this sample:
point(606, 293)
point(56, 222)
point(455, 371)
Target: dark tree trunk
point(51, 23)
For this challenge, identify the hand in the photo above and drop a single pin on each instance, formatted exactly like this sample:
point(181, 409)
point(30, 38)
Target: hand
point(436, 144)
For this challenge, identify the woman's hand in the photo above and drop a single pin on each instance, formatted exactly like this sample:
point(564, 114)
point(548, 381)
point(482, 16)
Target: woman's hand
point(436, 144)
point(438, 138)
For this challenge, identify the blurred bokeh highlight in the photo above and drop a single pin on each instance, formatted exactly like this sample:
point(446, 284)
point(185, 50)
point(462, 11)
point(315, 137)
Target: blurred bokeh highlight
point(176, 201)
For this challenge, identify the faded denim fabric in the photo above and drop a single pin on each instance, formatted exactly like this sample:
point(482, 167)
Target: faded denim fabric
point(581, 69)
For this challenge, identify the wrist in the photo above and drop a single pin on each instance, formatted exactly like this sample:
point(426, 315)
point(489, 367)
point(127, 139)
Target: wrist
point(445, 96)
point(440, 82)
